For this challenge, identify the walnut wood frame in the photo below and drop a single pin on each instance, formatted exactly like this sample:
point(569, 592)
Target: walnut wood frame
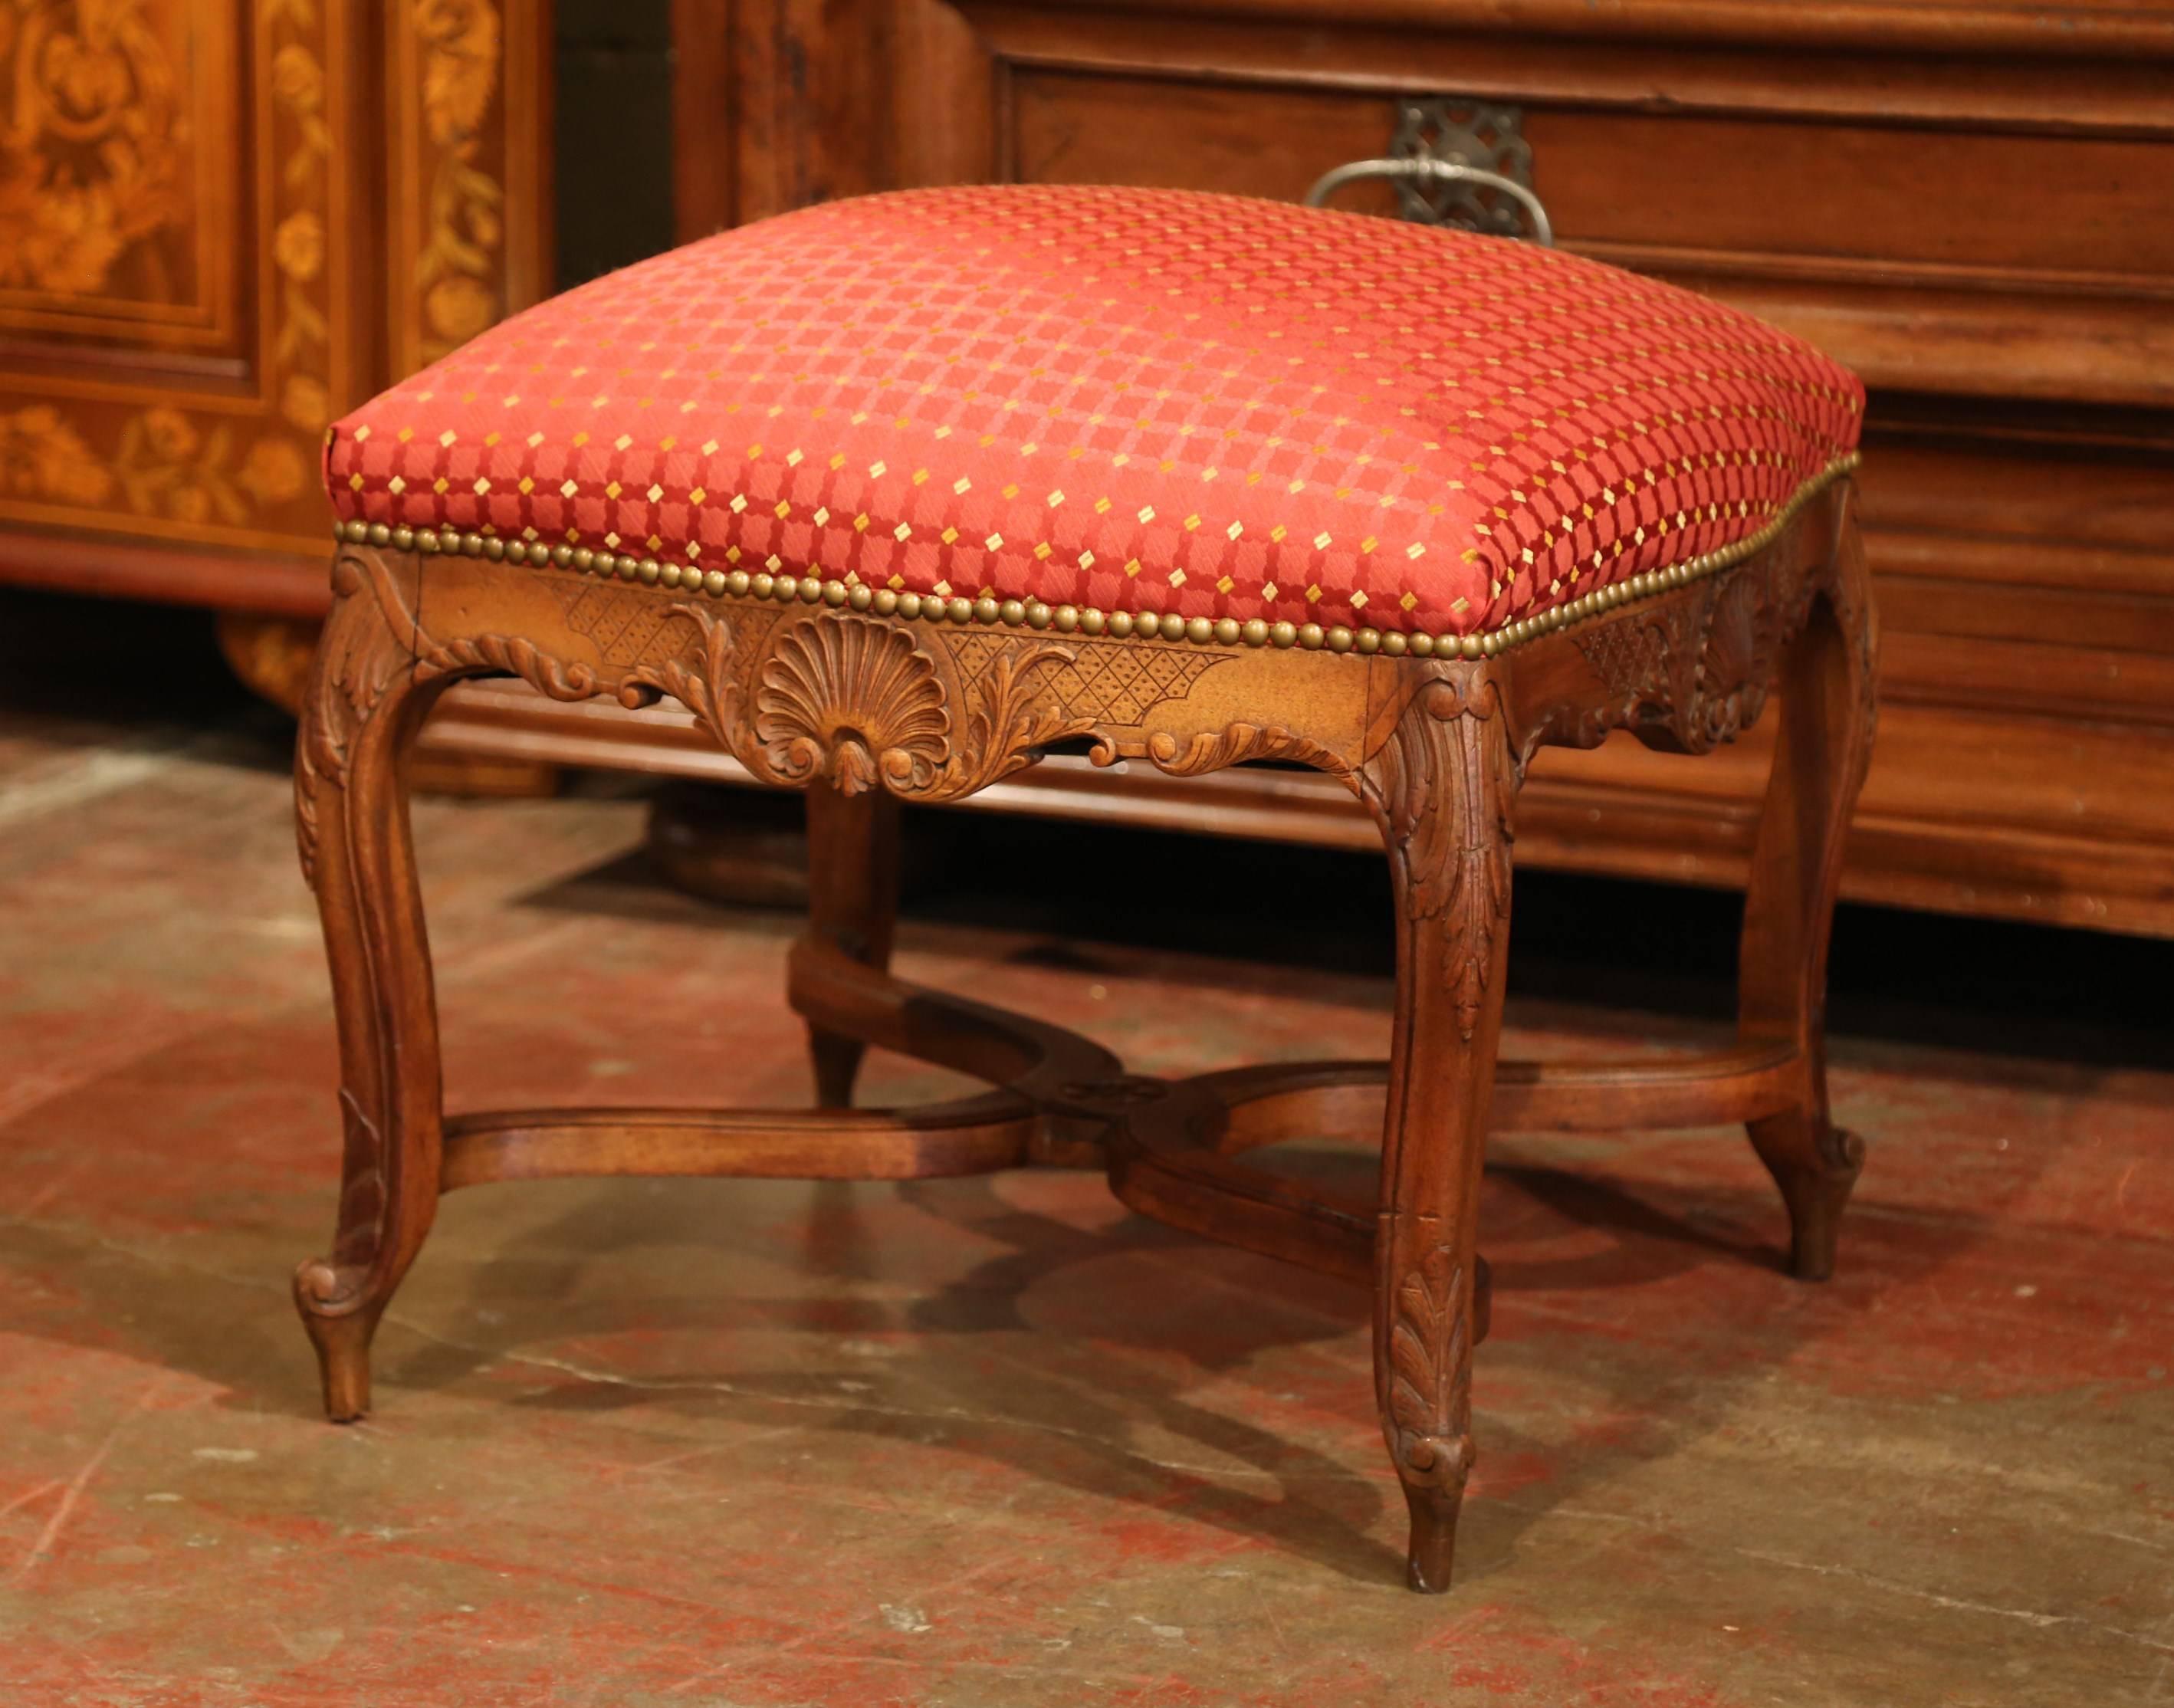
point(863, 710)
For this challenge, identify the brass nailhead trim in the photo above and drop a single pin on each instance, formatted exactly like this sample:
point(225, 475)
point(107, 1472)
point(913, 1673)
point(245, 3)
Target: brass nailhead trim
point(1069, 620)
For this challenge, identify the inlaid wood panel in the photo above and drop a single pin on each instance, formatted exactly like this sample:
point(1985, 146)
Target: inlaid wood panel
point(118, 177)
point(468, 229)
point(223, 223)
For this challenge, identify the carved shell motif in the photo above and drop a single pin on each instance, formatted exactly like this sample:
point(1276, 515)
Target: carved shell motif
point(855, 701)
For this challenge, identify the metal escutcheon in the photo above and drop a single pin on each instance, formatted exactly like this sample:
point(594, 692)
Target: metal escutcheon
point(1458, 163)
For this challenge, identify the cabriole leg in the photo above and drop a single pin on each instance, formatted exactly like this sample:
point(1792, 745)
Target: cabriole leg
point(1819, 760)
point(351, 798)
point(853, 905)
point(1442, 787)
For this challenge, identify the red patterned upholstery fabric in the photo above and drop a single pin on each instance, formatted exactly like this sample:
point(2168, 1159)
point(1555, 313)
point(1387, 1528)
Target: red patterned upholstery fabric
point(1127, 400)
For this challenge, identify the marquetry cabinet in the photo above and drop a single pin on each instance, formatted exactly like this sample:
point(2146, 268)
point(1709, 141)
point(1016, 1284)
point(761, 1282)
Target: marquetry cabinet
point(222, 224)
point(1970, 201)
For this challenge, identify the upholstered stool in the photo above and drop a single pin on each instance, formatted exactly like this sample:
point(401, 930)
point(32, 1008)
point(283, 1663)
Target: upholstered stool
point(894, 495)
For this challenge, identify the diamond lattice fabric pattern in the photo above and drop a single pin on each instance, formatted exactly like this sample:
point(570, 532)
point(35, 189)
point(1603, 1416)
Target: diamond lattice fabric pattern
point(1122, 400)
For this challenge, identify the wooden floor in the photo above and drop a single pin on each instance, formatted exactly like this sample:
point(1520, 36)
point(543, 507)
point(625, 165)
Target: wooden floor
point(995, 1443)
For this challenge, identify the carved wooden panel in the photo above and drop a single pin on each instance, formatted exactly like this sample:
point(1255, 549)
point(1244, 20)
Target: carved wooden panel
point(1856, 231)
point(805, 682)
point(224, 222)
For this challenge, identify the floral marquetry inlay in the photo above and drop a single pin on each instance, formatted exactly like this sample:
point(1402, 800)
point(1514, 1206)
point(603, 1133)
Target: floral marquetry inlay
point(452, 51)
point(123, 173)
point(173, 226)
point(95, 198)
point(42, 456)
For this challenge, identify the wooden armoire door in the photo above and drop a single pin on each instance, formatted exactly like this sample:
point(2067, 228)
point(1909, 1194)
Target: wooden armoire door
point(222, 224)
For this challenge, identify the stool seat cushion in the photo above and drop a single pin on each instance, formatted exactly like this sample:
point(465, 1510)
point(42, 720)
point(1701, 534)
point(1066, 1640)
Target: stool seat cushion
point(1121, 400)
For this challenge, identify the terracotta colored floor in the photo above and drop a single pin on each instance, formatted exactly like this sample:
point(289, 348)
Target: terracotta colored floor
point(991, 1443)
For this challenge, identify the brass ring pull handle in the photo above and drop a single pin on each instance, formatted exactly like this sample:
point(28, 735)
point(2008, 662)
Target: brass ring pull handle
point(1437, 171)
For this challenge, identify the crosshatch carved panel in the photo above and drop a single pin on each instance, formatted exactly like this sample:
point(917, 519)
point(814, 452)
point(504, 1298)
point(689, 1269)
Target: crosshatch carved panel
point(195, 274)
point(1118, 682)
point(626, 627)
point(1626, 655)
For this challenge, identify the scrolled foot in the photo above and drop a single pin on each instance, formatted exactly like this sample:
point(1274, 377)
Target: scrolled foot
point(341, 1325)
point(1433, 1470)
point(1816, 1167)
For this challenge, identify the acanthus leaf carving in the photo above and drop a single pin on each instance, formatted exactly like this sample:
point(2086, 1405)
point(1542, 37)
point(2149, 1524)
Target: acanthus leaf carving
point(359, 655)
point(370, 639)
point(1428, 1416)
point(1693, 672)
point(1732, 667)
point(710, 688)
point(1011, 723)
point(1212, 750)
